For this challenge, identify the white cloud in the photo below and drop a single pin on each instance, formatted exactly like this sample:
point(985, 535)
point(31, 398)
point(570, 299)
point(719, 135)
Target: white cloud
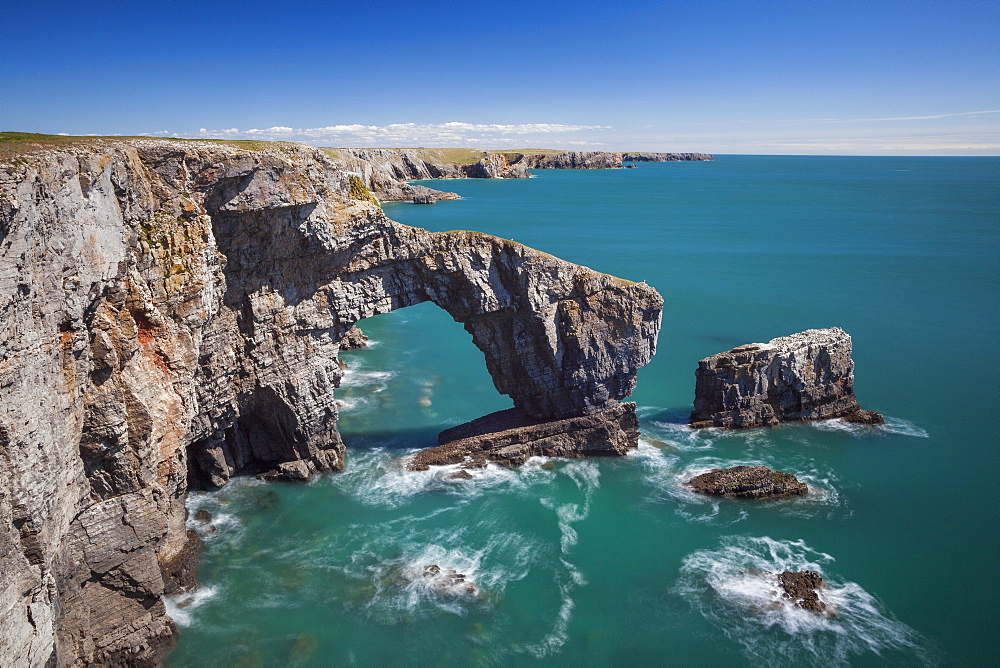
point(452, 133)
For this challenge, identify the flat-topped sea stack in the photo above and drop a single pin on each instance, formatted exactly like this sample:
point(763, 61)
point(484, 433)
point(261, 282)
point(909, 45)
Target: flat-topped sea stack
point(805, 376)
point(747, 482)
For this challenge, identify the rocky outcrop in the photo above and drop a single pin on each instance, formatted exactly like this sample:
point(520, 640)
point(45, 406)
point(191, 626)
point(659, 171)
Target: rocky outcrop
point(805, 376)
point(510, 438)
point(172, 315)
point(385, 170)
point(666, 157)
point(802, 589)
point(747, 482)
point(354, 339)
point(573, 160)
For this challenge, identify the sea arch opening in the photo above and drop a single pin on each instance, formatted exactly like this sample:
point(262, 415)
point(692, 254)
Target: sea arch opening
point(421, 373)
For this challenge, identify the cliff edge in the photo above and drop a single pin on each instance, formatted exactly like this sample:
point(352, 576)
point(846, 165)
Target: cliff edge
point(172, 313)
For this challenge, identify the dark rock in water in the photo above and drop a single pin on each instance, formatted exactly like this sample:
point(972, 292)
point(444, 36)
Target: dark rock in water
point(629, 166)
point(801, 588)
point(354, 339)
point(424, 199)
point(510, 437)
point(865, 417)
point(304, 648)
point(203, 516)
point(748, 482)
point(805, 376)
point(461, 474)
point(290, 471)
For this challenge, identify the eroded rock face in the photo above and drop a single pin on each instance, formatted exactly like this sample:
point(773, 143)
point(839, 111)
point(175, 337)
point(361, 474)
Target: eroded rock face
point(805, 376)
point(573, 160)
point(510, 438)
point(747, 482)
point(666, 157)
point(385, 171)
point(172, 314)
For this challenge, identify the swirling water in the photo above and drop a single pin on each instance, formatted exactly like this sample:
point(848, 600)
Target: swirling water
point(612, 562)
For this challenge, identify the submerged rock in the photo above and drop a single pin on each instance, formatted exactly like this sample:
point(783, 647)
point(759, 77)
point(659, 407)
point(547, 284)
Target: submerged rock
point(510, 438)
point(802, 589)
point(805, 376)
point(747, 482)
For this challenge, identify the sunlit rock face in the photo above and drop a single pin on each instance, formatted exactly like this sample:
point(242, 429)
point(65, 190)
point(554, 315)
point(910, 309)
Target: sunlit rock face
point(172, 315)
point(805, 376)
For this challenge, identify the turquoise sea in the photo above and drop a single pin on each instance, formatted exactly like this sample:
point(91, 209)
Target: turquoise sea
point(610, 562)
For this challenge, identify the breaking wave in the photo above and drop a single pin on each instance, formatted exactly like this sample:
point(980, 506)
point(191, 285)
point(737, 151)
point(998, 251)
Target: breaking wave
point(734, 588)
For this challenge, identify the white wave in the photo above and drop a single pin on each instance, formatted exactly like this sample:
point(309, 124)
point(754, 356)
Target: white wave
point(182, 607)
point(379, 477)
point(903, 428)
point(358, 377)
point(891, 426)
point(735, 588)
point(440, 575)
point(351, 404)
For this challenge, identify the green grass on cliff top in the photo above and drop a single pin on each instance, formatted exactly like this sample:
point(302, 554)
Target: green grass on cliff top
point(13, 143)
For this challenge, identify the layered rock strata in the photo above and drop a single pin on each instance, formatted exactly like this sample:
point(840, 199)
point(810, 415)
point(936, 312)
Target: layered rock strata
point(805, 376)
point(747, 482)
point(385, 171)
point(666, 157)
point(172, 314)
point(510, 438)
point(573, 160)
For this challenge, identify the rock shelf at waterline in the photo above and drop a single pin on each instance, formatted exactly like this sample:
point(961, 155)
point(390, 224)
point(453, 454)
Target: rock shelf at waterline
point(805, 376)
point(748, 482)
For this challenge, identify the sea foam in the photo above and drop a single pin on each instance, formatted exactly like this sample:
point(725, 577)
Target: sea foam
point(734, 588)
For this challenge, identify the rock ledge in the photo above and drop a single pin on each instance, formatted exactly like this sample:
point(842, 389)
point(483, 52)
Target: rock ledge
point(747, 482)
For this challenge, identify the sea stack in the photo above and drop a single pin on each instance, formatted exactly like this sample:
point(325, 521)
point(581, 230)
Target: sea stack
point(805, 376)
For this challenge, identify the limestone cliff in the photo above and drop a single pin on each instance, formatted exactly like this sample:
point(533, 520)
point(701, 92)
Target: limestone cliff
point(666, 157)
point(172, 314)
point(385, 171)
point(805, 376)
point(574, 160)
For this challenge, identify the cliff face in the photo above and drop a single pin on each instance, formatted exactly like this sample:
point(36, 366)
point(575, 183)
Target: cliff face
point(805, 376)
point(385, 171)
point(573, 160)
point(666, 157)
point(172, 314)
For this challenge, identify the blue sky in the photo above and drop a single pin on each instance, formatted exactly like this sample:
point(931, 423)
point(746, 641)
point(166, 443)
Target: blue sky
point(863, 78)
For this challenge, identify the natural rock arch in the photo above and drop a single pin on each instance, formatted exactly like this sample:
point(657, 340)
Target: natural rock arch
point(560, 339)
